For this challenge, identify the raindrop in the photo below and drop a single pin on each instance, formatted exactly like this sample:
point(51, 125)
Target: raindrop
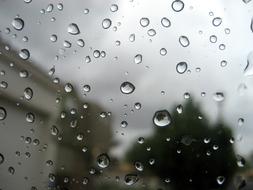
point(177, 5)
point(53, 38)
point(60, 6)
point(123, 124)
point(18, 23)
point(24, 54)
point(87, 59)
point(86, 11)
point(67, 44)
point(251, 25)
point(1, 158)
point(96, 53)
point(217, 21)
point(127, 88)
point(151, 32)
point(28, 93)
point(73, 29)
point(220, 180)
point(179, 109)
point(27, 1)
point(3, 84)
point(114, 7)
point(54, 130)
point(132, 37)
point(80, 43)
point(103, 160)
point(11, 170)
point(222, 46)
point(240, 161)
point(240, 122)
point(162, 118)
point(50, 8)
point(248, 71)
point(137, 106)
point(246, 1)
point(165, 22)
point(139, 166)
point(163, 51)
point(144, 22)
point(30, 117)
point(86, 88)
point(85, 181)
point(218, 97)
point(140, 140)
point(223, 63)
point(213, 39)
point(181, 67)
point(138, 59)
point(184, 41)
point(130, 179)
point(106, 23)
point(68, 88)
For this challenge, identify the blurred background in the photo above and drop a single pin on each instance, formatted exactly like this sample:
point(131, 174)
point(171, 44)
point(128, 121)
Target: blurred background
point(126, 94)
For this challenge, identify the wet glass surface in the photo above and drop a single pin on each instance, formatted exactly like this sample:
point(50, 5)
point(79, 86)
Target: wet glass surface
point(126, 94)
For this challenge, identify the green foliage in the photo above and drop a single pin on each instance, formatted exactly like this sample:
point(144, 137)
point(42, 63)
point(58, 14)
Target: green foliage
point(188, 161)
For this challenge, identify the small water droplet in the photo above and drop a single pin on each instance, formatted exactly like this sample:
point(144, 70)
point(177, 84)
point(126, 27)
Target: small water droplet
point(30, 117)
point(28, 93)
point(140, 140)
point(139, 166)
point(220, 180)
point(130, 179)
point(248, 71)
point(103, 160)
point(27, 1)
point(151, 32)
point(223, 63)
point(240, 161)
point(179, 109)
point(18, 23)
point(114, 8)
point(54, 130)
point(24, 54)
point(184, 41)
point(86, 11)
point(246, 1)
point(127, 88)
point(53, 38)
point(123, 124)
point(177, 5)
point(68, 88)
point(213, 39)
point(218, 96)
point(137, 106)
point(106, 23)
point(144, 22)
point(1, 159)
point(60, 6)
point(165, 22)
point(132, 37)
point(50, 8)
point(162, 118)
point(181, 67)
point(216, 21)
point(80, 43)
point(3, 84)
point(163, 51)
point(138, 59)
point(11, 170)
point(73, 29)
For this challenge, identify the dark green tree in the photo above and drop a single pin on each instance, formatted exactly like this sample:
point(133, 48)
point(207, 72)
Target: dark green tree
point(191, 152)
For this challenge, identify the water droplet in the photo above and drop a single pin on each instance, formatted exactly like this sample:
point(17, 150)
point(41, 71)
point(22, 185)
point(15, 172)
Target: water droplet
point(248, 71)
point(222, 46)
point(151, 161)
point(54, 130)
point(103, 160)
point(80, 43)
point(67, 44)
point(177, 5)
point(123, 124)
point(27, 1)
point(68, 88)
point(85, 181)
point(179, 109)
point(60, 6)
point(138, 59)
point(96, 53)
point(241, 89)
point(132, 37)
point(213, 39)
point(139, 166)
point(30, 117)
point(53, 38)
point(246, 1)
point(220, 180)
point(127, 88)
point(184, 41)
point(240, 122)
point(50, 8)
point(73, 29)
point(137, 106)
point(1, 158)
point(140, 140)
point(18, 23)
point(218, 97)
point(86, 11)
point(151, 32)
point(181, 67)
point(11, 170)
point(162, 118)
point(23, 73)
point(28, 93)
point(165, 22)
point(223, 63)
point(3, 113)
point(114, 7)
point(144, 22)
point(87, 59)
point(217, 21)
point(3, 84)
point(130, 179)
point(163, 51)
point(24, 54)
point(240, 161)
point(106, 23)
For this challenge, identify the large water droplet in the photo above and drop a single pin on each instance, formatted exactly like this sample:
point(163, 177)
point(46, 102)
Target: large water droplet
point(181, 67)
point(184, 41)
point(73, 29)
point(177, 5)
point(248, 71)
point(138, 59)
point(3, 113)
point(131, 179)
point(50, 8)
point(103, 160)
point(18, 23)
point(144, 22)
point(24, 54)
point(106, 23)
point(165, 22)
point(127, 88)
point(28, 93)
point(162, 118)
point(217, 21)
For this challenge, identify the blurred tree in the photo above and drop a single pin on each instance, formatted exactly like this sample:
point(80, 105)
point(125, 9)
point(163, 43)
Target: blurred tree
point(190, 152)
